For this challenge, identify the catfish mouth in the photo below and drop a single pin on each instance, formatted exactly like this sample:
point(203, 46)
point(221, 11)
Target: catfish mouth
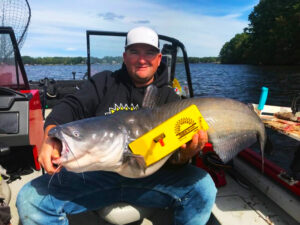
point(58, 136)
point(65, 149)
point(67, 156)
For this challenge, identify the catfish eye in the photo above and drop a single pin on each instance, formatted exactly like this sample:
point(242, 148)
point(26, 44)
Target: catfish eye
point(76, 133)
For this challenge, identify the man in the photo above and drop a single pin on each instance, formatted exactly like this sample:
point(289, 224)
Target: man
point(188, 190)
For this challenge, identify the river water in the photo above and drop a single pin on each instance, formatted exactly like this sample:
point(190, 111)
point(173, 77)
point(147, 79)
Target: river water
point(240, 82)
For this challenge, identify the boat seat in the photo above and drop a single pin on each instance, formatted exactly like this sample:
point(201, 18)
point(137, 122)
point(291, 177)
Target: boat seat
point(124, 213)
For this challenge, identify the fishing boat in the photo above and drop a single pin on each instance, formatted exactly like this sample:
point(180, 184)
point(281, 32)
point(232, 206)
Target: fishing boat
point(246, 195)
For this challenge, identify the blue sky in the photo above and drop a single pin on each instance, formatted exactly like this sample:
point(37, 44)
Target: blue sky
point(58, 27)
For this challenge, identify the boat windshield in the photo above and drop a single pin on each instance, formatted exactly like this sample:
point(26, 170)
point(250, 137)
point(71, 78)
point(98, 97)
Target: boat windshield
point(11, 73)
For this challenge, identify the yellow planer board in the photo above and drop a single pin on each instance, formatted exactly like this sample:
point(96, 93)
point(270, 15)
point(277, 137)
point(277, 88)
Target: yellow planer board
point(169, 135)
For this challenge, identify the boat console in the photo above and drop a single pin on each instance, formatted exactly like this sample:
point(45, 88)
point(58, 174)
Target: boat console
point(13, 118)
point(21, 121)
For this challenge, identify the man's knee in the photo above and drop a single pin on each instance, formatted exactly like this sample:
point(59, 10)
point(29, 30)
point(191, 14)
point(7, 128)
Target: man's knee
point(27, 197)
point(196, 205)
point(30, 204)
point(203, 186)
point(206, 190)
point(24, 195)
point(202, 190)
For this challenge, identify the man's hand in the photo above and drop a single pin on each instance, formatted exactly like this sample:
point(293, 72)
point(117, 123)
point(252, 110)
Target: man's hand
point(191, 148)
point(50, 150)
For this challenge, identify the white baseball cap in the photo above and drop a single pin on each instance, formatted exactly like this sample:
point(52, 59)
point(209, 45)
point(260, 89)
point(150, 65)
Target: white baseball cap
point(142, 35)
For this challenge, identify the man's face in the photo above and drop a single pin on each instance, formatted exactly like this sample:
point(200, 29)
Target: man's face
point(141, 61)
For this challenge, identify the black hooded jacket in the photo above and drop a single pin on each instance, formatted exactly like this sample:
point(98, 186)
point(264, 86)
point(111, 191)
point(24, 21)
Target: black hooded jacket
point(107, 92)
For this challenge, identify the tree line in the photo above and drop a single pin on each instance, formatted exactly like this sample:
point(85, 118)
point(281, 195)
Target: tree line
point(272, 37)
point(53, 60)
point(200, 59)
point(27, 60)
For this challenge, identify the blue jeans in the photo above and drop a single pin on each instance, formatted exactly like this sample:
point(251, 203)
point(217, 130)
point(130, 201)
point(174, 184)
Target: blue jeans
point(188, 190)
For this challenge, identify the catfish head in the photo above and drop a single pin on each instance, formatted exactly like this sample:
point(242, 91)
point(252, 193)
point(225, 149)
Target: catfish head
point(97, 142)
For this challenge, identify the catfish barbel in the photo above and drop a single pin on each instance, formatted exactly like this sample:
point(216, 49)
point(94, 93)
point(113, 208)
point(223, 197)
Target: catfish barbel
point(101, 143)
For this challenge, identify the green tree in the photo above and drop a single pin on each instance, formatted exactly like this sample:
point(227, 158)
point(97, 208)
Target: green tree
point(272, 36)
point(275, 30)
point(28, 60)
point(235, 51)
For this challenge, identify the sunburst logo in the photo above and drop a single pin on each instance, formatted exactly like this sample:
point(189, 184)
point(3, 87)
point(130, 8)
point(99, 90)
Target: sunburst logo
point(185, 126)
point(121, 107)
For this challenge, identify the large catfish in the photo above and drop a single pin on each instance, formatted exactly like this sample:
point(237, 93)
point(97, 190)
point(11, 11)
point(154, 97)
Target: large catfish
point(101, 143)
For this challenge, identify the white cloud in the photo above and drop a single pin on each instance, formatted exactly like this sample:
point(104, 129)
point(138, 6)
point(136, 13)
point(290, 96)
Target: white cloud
point(71, 49)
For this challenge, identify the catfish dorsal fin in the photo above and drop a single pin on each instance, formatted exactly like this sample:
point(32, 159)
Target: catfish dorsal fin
point(151, 97)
